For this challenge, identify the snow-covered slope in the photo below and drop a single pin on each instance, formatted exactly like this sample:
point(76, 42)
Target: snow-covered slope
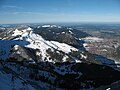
point(10, 82)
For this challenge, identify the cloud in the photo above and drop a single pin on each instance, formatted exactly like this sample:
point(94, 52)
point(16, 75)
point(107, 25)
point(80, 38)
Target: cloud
point(28, 13)
point(10, 6)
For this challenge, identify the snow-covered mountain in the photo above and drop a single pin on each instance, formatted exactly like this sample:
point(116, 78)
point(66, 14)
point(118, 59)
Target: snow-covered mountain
point(52, 57)
point(19, 42)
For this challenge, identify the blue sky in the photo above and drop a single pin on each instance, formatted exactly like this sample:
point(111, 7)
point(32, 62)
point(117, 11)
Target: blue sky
point(30, 11)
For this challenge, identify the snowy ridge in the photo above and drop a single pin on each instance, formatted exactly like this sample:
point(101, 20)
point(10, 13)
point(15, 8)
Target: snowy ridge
point(36, 41)
point(50, 26)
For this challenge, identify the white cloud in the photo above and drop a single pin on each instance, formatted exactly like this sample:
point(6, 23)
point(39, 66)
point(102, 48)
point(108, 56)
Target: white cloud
point(10, 6)
point(36, 13)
